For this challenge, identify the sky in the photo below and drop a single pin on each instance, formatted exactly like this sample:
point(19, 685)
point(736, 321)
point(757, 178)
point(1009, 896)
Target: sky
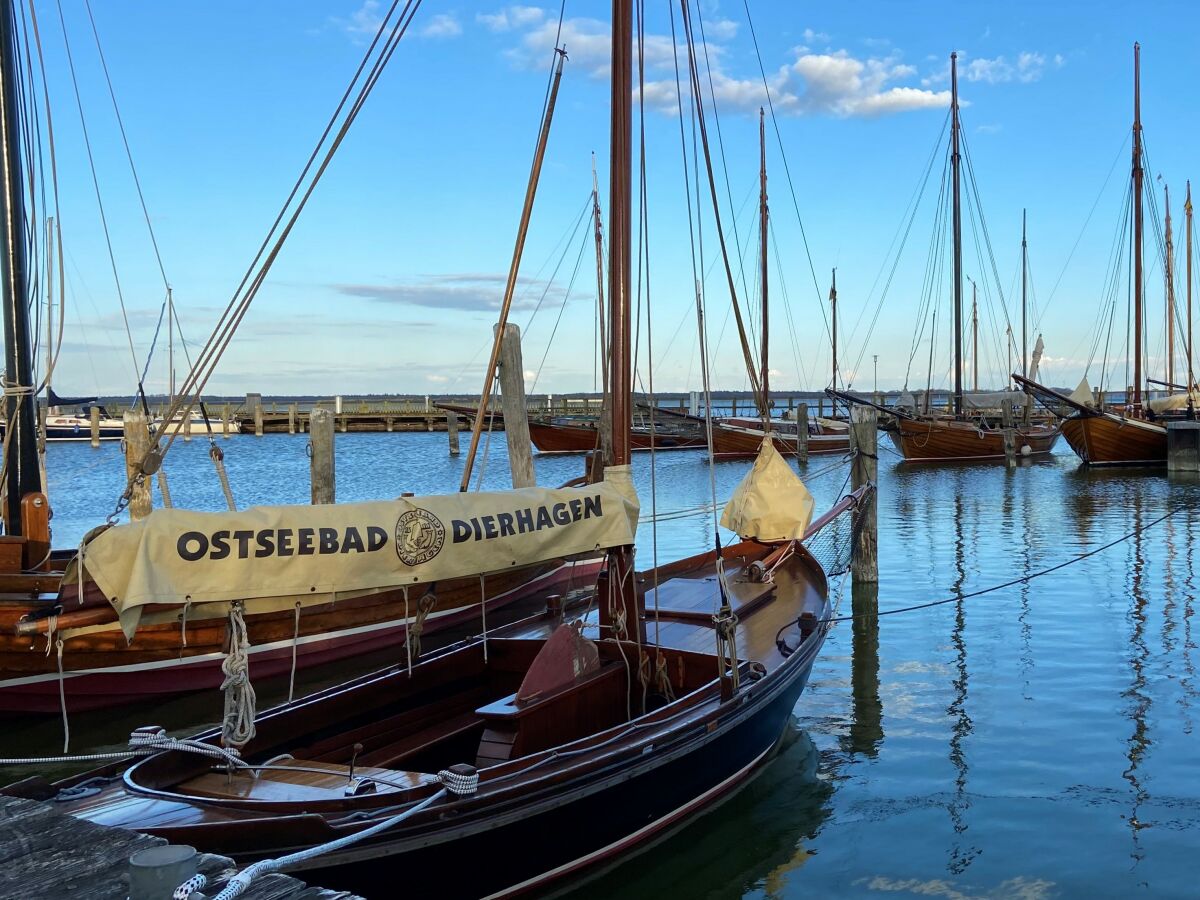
point(392, 279)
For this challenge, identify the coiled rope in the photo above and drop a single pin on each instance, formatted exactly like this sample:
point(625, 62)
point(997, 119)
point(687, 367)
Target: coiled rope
point(237, 728)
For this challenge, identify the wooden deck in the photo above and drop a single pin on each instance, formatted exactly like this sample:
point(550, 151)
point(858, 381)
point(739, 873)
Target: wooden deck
point(47, 855)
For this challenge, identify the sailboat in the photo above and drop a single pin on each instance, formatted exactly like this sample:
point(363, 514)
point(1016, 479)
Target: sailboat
point(742, 439)
point(65, 643)
point(533, 753)
point(926, 437)
point(1099, 436)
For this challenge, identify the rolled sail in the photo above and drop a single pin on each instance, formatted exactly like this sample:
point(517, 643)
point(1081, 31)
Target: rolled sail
point(306, 553)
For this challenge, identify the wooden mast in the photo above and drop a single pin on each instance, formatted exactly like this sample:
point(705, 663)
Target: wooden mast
point(974, 335)
point(1024, 302)
point(1137, 229)
point(833, 312)
point(954, 166)
point(618, 599)
point(1187, 217)
point(605, 422)
point(1168, 271)
point(22, 472)
point(762, 237)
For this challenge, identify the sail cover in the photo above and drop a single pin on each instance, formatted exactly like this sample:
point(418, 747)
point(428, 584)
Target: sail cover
point(771, 503)
point(177, 556)
point(1174, 402)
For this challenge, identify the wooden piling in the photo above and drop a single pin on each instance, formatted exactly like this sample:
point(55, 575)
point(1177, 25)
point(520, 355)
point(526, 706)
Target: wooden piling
point(291, 418)
point(321, 460)
point(802, 432)
point(863, 470)
point(452, 432)
point(226, 415)
point(137, 444)
point(516, 417)
point(95, 415)
point(187, 426)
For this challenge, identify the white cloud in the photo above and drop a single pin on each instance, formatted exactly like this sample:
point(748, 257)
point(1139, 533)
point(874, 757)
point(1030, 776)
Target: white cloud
point(444, 25)
point(1028, 67)
point(815, 37)
point(363, 22)
point(510, 17)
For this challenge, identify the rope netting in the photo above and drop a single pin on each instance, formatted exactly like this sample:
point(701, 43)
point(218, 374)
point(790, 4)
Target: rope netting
point(833, 544)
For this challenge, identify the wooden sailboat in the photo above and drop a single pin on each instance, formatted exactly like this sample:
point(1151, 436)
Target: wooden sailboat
point(62, 644)
point(511, 762)
point(1101, 437)
point(742, 439)
point(929, 438)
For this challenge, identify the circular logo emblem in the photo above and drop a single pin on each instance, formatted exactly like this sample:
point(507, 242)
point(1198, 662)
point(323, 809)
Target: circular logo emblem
point(419, 537)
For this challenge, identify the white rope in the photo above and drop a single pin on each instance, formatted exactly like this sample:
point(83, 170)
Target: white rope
point(295, 644)
point(62, 696)
point(459, 784)
point(237, 728)
point(142, 742)
point(164, 488)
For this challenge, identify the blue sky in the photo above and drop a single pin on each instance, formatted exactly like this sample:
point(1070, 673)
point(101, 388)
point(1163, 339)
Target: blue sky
point(391, 280)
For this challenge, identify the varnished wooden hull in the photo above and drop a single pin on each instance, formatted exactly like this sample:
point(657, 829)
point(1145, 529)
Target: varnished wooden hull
point(561, 438)
point(945, 440)
point(1109, 440)
point(537, 819)
point(102, 670)
point(731, 442)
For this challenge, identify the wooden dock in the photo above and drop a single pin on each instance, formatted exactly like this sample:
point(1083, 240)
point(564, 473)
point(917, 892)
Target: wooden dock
point(47, 855)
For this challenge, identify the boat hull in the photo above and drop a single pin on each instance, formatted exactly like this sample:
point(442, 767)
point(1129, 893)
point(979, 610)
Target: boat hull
point(577, 831)
point(102, 670)
point(561, 438)
point(1109, 440)
point(744, 443)
point(945, 440)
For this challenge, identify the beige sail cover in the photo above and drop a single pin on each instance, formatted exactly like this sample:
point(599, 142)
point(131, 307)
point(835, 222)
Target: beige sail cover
point(1083, 394)
point(771, 503)
point(1174, 402)
point(175, 556)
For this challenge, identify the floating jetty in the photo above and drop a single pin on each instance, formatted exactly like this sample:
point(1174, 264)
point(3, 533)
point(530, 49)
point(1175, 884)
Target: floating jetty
point(46, 854)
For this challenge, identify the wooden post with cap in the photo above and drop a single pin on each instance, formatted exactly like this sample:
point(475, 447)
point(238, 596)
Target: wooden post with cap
point(864, 468)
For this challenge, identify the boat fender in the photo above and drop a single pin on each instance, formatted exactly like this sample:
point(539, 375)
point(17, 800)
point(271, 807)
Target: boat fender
point(1026, 450)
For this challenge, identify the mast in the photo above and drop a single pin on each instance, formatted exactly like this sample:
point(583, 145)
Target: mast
point(833, 311)
point(620, 226)
point(605, 423)
point(1024, 302)
point(954, 165)
point(621, 613)
point(1168, 268)
point(1187, 216)
point(49, 306)
point(1137, 228)
point(762, 237)
point(170, 349)
point(23, 475)
point(975, 334)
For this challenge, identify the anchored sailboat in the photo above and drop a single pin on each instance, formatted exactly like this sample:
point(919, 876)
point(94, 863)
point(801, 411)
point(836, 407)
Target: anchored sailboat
point(541, 749)
point(927, 437)
point(1101, 437)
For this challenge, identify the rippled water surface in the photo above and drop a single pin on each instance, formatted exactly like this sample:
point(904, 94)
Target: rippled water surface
point(1032, 742)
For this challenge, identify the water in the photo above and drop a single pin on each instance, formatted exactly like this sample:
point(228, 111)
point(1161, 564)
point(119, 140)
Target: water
point(1032, 742)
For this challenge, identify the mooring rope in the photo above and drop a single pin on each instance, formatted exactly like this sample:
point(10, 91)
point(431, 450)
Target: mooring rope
point(237, 728)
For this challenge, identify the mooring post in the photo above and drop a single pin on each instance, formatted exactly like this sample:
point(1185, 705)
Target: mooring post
point(320, 451)
point(291, 418)
point(516, 417)
point(452, 431)
point(95, 417)
point(866, 729)
point(802, 432)
point(226, 415)
point(863, 470)
point(187, 427)
point(137, 443)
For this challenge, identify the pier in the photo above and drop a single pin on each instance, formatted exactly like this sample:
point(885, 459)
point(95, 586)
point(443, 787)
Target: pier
point(47, 854)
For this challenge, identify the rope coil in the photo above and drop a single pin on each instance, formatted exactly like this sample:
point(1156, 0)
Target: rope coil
point(237, 728)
